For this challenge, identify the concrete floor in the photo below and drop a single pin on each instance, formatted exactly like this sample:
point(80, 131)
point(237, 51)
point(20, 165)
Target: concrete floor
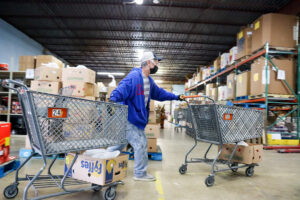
point(277, 177)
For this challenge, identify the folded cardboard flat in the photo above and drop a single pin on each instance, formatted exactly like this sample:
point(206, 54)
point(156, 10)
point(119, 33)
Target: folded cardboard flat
point(244, 154)
point(279, 30)
point(78, 74)
point(152, 130)
point(97, 171)
point(47, 74)
point(46, 86)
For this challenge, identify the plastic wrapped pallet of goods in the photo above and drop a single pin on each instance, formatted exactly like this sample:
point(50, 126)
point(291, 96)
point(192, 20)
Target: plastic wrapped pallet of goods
point(224, 60)
point(46, 86)
point(81, 89)
point(233, 55)
point(47, 74)
point(276, 29)
point(45, 59)
point(243, 84)
point(78, 74)
point(222, 93)
point(244, 40)
point(231, 86)
point(275, 85)
point(26, 62)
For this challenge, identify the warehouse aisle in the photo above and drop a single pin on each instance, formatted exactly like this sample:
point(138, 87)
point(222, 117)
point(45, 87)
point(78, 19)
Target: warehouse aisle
point(276, 178)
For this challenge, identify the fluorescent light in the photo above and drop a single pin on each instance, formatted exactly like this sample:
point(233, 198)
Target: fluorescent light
point(139, 2)
point(112, 73)
point(158, 81)
point(156, 1)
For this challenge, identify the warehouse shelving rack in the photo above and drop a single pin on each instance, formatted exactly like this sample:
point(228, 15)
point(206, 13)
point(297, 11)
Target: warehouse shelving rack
point(266, 52)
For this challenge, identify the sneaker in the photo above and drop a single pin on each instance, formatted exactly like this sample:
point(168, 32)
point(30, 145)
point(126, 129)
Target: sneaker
point(147, 177)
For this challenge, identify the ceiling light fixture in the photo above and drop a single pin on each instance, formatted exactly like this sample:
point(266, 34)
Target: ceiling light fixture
point(112, 73)
point(139, 2)
point(156, 1)
point(159, 81)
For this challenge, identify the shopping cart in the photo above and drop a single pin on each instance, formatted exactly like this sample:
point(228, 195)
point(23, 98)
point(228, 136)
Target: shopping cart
point(180, 116)
point(59, 124)
point(221, 124)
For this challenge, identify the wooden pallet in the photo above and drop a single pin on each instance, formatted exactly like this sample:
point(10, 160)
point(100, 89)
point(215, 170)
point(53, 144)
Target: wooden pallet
point(255, 141)
point(263, 95)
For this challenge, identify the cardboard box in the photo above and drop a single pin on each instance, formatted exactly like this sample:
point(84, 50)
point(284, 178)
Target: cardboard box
point(81, 89)
point(45, 59)
point(26, 62)
point(214, 94)
point(109, 91)
point(208, 89)
point(231, 86)
point(244, 40)
point(224, 60)
point(89, 98)
point(5, 128)
point(244, 154)
point(222, 93)
point(217, 64)
point(275, 86)
point(243, 84)
point(77, 74)
point(233, 55)
point(276, 29)
point(97, 171)
point(45, 86)
point(152, 106)
point(96, 90)
point(47, 74)
point(153, 118)
point(152, 130)
point(152, 145)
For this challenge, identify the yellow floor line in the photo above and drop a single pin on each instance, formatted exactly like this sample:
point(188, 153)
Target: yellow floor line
point(159, 187)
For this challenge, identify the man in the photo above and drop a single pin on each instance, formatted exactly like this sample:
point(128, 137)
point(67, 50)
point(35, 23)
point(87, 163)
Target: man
point(136, 90)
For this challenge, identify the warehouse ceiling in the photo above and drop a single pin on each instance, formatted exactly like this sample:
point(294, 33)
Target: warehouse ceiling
point(109, 35)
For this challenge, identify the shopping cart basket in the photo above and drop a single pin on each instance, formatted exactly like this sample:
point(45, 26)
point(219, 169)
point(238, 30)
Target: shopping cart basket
point(221, 124)
point(59, 124)
point(180, 116)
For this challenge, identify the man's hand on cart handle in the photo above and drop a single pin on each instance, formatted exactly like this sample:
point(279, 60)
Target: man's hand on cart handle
point(181, 97)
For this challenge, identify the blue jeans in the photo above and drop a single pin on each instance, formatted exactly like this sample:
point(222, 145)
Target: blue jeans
point(137, 139)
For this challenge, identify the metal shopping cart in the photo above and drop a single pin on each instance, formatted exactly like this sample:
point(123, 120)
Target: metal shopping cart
point(59, 124)
point(180, 116)
point(221, 124)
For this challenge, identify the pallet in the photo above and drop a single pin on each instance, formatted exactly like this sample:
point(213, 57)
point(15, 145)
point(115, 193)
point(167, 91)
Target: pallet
point(25, 153)
point(9, 166)
point(242, 98)
point(251, 105)
point(255, 141)
point(263, 95)
point(157, 156)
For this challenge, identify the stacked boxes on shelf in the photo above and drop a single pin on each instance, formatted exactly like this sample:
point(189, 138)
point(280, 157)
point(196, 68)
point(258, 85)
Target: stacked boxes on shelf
point(225, 60)
point(211, 91)
point(233, 55)
point(244, 40)
point(243, 84)
point(231, 86)
point(26, 62)
point(222, 93)
point(217, 64)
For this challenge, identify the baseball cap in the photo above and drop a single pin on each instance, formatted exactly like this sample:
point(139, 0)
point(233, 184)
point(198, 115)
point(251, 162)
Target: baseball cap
point(148, 55)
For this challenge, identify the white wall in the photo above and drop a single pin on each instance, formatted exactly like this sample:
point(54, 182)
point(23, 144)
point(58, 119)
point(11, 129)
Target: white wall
point(14, 43)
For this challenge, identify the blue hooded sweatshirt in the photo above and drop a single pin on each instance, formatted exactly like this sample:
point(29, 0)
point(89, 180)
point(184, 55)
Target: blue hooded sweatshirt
point(130, 91)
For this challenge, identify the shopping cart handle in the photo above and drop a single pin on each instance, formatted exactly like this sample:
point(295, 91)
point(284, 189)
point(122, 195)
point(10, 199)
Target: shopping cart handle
point(197, 96)
point(10, 84)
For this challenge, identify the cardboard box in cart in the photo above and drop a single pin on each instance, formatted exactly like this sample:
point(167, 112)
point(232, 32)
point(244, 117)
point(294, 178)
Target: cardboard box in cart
point(47, 74)
point(81, 89)
point(45, 86)
point(97, 171)
point(244, 154)
point(78, 74)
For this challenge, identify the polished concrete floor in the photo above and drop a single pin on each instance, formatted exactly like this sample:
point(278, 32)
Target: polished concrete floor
point(277, 177)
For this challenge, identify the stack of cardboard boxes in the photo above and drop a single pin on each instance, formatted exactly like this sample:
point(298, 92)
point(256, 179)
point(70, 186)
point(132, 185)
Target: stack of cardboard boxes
point(152, 129)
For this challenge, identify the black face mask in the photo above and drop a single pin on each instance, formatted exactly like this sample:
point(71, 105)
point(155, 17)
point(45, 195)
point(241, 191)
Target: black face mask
point(153, 70)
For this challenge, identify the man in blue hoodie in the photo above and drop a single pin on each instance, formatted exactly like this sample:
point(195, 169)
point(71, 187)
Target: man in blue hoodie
point(136, 90)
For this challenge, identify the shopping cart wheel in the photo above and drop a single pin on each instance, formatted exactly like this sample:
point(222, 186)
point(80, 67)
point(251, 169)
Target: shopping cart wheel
point(11, 191)
point(209, 181)
point(249, 171)
point(98, 188)
point(182, 169)
point(110, 193)
point(234, 165)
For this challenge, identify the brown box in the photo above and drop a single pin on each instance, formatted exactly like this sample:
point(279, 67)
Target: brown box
point(26, 62)
point(152, 118)
point(208, 89)
point(244, 42)
point(45, 59)
point(152, 145)
point(97, 171)
point(217, 64)
point(81, 89)
point(47, 74)
point(276, 29)
point(275, 85)
point(152, 130)
point(231, 86)
point(152, 106)
point(96, 90)
point(46, 86)
point(244, 154)
point(243, 84)
point(78, 74)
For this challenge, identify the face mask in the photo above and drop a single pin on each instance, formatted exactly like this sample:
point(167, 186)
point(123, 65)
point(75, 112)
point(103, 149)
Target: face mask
point(153, 70)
